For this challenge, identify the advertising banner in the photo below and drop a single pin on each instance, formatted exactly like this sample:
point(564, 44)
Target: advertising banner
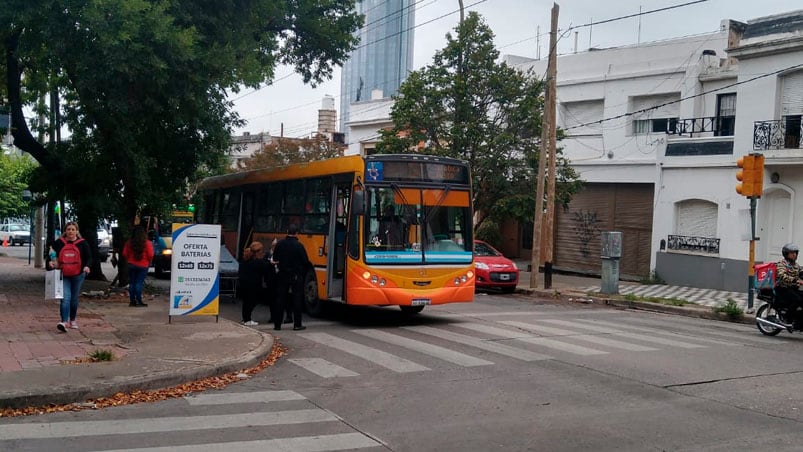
point(195, 283)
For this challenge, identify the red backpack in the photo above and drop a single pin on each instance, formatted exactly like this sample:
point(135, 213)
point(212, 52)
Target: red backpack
point(70, 258)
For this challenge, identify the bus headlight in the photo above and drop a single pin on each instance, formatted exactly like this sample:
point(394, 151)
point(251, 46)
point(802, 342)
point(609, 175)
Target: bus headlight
point(457, 281)
point(470, 274)
point(374, 279)
point(382, 282)
point(167, 252)
point(366, 275)
point(464, 278)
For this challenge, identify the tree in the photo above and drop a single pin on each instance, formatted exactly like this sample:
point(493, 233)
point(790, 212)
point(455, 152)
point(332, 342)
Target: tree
point(287, 151)
point(15, 173)
point(142, 86)
point(467, 105)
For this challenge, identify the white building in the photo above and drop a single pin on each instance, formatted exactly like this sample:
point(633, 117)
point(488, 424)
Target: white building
point(366, 120)
point(655, 129)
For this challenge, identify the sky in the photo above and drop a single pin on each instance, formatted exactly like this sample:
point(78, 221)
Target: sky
point(291, 104)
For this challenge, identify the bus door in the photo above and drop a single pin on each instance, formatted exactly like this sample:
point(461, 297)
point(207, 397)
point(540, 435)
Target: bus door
point(337, 237)
point(245, 230)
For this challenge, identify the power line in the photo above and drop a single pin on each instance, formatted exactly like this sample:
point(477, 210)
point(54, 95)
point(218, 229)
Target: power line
point(644, 110)
point(642, 13)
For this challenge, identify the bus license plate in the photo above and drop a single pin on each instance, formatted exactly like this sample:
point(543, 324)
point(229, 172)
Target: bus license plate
point(420, 302)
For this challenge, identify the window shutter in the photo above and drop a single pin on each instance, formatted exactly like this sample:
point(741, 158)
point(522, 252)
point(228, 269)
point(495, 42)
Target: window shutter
point(792, 94)
point(576, 113)
point(651, 103)
point(696, 218)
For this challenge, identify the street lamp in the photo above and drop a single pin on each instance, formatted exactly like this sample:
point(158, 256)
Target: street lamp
point(27, 196)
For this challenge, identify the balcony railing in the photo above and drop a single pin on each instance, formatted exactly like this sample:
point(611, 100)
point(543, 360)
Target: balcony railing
point(691, 126)
point(777, 134)
point(698, 244)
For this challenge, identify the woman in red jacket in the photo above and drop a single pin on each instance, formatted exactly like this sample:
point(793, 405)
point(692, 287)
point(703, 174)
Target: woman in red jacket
point(138, 251)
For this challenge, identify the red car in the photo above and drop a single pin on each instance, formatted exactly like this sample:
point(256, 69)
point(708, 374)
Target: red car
point(493, 269)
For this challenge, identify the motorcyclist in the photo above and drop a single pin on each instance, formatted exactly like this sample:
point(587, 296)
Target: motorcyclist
point(787, 280)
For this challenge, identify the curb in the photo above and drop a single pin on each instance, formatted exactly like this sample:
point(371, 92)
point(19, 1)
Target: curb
point(701, 312)
point(71, 393)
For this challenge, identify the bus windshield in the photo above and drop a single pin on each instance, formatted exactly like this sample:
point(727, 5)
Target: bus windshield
point(406, 225)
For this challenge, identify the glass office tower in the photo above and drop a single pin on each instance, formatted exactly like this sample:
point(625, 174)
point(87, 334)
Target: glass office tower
point(384, 55)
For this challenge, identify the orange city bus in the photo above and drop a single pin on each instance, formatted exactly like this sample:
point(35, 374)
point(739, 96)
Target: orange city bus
point(380, 230)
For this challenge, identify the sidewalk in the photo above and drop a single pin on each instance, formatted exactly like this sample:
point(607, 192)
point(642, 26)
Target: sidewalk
point(35, 359)
point(579, 285)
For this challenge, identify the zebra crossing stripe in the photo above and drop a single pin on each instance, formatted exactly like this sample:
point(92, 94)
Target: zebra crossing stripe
point(501, 349)
point(384, 359)
point(599, 340)
point(242, 397)
point(322, 367)
point(343, 441)
point(744, 336)
point(541, 341)
point(642, 337)
point(445, 354)
point(163, 424)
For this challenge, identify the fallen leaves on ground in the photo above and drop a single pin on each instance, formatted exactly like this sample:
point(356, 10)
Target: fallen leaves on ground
point(217, 382)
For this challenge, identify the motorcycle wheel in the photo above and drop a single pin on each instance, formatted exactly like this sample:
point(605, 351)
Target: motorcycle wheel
point(767, 312)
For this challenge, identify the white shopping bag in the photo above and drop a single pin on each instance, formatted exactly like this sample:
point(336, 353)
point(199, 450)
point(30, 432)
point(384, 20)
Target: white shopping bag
point(54, 285)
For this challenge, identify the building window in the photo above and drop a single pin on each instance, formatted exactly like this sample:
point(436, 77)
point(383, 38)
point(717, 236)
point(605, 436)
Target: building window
point(792, 108)
point(655, 114)
point(582, 118)
point(660, 125)
point(695, 227)
point(726, 115)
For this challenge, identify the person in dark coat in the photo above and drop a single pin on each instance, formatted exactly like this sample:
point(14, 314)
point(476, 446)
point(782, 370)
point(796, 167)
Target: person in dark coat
point(253, 274)
point(292, 261)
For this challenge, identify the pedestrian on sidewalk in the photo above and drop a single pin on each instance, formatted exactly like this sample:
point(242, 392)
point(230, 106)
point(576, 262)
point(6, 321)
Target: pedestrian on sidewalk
point(74, 258)
point(138, 252)
point(253, 274)
point(291, 258)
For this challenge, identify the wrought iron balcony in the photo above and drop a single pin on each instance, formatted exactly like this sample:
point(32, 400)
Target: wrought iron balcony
point(698, 244)
point(717, 126)
point(777, 134)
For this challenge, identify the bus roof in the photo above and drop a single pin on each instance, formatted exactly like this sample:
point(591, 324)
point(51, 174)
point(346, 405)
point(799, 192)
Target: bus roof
point(338, 165)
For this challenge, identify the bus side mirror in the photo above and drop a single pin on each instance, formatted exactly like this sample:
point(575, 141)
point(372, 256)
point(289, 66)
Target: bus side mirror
point(358, 202)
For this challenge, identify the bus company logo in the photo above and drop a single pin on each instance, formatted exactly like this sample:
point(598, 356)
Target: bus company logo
point(375, 171)
point(206, 265)
point(183, 265)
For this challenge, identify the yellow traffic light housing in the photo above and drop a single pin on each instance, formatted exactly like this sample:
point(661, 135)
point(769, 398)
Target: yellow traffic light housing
point(751, 175)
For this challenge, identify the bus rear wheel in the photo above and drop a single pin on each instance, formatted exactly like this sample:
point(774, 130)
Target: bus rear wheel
point(411, 309)
point(314, 305)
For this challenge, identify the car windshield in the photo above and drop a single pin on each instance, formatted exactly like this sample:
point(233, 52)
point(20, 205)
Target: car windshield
point(481, 249)
point(17, 228)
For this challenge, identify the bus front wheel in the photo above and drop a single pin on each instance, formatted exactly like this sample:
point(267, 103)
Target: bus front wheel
point(313, 304)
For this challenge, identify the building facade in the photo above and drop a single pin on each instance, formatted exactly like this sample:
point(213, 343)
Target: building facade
point(384, 56)
point(655, 130)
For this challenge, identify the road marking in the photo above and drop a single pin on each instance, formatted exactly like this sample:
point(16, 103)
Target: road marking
point(502, 349)
point(384, 359)
point(445, 354)
point(744, 334)
point(579, 323)
point(523, 337)
point(343, 441)
point(599, 340)
point(322, 367)
point(162, 424)
point(644, 337)
point(242, 397)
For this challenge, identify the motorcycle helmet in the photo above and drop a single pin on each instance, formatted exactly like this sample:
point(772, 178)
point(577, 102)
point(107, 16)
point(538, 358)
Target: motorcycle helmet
point(789, 248)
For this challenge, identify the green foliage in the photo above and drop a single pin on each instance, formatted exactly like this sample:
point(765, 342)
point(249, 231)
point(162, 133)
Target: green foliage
point(15, 175)
point(652, 278)
point(731, 309)
point(101, 355)
point(143, 87)
point(467, 105)
point(489, 232)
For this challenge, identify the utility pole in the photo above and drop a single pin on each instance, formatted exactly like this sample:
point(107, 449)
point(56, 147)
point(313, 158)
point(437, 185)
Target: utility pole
point(549, 230)
point(547, 140)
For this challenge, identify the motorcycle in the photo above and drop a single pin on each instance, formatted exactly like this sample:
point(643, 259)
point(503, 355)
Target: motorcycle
point(774, 316)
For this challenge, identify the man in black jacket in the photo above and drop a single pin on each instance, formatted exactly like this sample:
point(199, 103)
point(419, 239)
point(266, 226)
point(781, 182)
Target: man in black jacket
point(292, 261)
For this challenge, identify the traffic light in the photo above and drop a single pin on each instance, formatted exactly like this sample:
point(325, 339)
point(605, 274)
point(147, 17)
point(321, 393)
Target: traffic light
point(751, 175)
point(191, 207)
